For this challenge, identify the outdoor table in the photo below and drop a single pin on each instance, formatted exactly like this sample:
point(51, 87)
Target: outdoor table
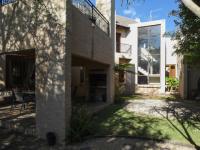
point(29, 94)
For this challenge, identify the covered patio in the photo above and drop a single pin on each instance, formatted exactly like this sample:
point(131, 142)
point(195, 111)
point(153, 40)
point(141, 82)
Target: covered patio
point(17, 91)
point(90, 83)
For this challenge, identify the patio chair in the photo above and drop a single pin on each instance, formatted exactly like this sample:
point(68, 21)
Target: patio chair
point(17, 97)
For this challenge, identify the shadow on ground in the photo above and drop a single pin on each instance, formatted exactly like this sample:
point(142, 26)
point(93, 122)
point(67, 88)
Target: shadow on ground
point(186, 114)
point(115, 121)
point(17, 128)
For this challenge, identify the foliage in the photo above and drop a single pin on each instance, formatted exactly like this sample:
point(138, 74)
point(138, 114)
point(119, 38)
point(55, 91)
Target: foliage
point(123, 67)
point(120, 87)
point(172, 83)
point(188, 33)
point(117, 121)
point(80, 124)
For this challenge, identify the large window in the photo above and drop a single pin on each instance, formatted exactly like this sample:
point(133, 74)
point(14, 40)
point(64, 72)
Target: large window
point(149, 54)
point(118, 42)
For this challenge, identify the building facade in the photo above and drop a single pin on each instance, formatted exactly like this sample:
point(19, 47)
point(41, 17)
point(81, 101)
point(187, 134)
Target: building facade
point(150, 52)
point(56, 37)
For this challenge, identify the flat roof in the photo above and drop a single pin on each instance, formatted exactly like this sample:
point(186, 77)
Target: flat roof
point(125, 21)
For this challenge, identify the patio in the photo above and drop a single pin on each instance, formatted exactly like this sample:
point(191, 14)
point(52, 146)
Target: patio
point(16, 118)
point(23, 120)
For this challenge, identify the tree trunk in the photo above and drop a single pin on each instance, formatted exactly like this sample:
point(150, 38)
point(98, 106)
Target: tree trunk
point(192, 6)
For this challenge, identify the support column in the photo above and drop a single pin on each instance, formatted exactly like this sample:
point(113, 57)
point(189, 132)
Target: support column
point(107, 8)
point(162, 59)
point(53, 80)
point(110, 84)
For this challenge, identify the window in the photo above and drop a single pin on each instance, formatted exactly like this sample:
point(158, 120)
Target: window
point(118, 42)
point(149, 54)
point(20, 72)
point(82, 75)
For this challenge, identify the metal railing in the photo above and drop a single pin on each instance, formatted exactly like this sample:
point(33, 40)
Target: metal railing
point(125, 48)
point(87, 8)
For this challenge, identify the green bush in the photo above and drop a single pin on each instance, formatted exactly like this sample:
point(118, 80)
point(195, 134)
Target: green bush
point(172, 83)
point(80, 124)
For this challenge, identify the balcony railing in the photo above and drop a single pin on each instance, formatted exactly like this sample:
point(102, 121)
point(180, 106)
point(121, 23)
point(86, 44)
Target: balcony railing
point(124, 48)
point(87, 8)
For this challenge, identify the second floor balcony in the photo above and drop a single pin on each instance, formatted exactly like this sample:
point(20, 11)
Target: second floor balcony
point(90, 33)
point(124, 48)
point(90, 10)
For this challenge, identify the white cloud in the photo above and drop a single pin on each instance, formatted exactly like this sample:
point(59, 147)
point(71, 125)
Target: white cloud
point(130, 12)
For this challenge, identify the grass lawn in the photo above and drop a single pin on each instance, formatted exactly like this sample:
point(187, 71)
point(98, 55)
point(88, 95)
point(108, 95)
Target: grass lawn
point(116, 121)
point(155, 97)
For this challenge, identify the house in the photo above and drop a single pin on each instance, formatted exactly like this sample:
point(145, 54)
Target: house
point(144, 45)
point(49, 48)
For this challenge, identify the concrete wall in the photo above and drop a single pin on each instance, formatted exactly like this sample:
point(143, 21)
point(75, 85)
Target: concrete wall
point(53, 60)
point(171, 58)
point(107, 8)
point(194, 75)
point(53, 79)
point(93, 43)
point(188, 81)
point(81, 88)
point(124, 40)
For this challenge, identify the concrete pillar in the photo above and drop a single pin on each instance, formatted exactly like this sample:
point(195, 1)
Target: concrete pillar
point(110, 84)
point(107, 8)
point(162, 58)
point(53, 82)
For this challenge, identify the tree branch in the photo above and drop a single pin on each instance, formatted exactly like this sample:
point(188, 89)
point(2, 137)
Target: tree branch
point(192, 6)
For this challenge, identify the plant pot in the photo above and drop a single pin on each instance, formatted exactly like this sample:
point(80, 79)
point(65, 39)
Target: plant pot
point(51, 138)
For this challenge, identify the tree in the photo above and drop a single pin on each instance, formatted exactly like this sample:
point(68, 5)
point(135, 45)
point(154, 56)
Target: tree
point(188, 33)
point(192, 6)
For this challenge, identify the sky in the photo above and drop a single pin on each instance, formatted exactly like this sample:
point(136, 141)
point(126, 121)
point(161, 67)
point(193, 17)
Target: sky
point(148, 10)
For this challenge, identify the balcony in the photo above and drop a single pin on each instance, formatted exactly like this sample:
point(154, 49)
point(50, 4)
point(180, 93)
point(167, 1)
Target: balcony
point(87, 8)
point(90, 34)
point(124, 48)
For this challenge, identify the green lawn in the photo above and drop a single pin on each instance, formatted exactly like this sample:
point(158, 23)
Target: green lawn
point(115, 120)
point(155, 97)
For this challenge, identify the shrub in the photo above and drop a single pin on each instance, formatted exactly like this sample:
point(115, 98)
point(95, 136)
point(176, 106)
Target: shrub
point(80, 124)
point(172, 83)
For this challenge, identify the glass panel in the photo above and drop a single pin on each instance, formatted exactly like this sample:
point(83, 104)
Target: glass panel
point(149, 52)
point(142, 80)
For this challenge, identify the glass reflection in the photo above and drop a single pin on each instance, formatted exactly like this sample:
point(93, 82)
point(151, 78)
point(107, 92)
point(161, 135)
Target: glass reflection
point(149, 39)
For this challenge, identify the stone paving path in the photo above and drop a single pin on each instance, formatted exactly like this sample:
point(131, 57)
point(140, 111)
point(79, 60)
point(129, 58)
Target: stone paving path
point(159, 108)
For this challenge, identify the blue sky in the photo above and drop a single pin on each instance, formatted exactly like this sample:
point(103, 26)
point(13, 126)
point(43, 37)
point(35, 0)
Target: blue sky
point(143, 8)
point(149, 9)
